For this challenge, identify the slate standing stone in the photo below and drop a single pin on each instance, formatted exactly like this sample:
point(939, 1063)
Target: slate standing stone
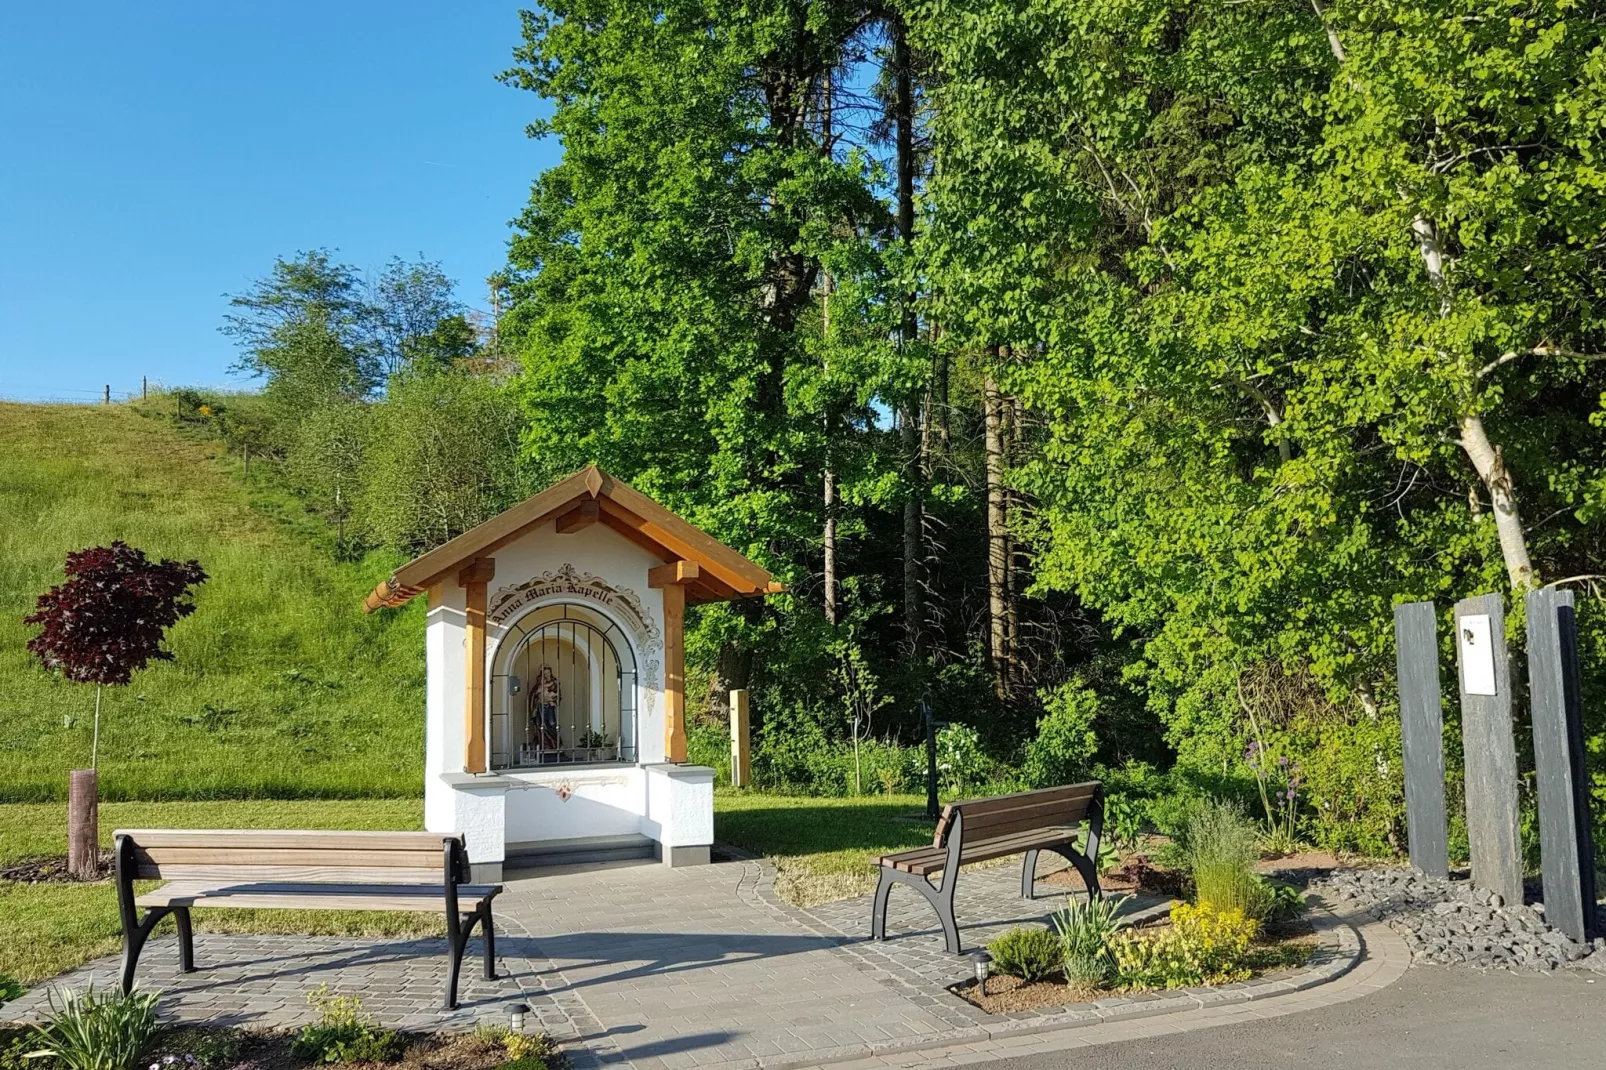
point(1491, 761)
point(1565, 839)
point(1416, 652)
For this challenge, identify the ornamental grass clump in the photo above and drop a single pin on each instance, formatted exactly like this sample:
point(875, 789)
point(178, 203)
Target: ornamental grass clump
point(1204, 945)
point(1030, 954)
point(97, 1030)
point(1085, 930)
point(1222, 847)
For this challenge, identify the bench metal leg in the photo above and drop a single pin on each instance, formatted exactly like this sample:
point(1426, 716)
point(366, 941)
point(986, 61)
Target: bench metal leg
point(487, 931)
point(135, 933)
point(878, 909)
point(1085, 868)
point(941, 898)
point(186, 940)
point(457, 934)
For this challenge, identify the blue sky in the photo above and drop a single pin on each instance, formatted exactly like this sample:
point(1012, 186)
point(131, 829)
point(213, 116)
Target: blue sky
point(156, 155)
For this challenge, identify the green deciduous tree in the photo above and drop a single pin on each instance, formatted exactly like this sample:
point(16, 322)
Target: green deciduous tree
point(1309, 301)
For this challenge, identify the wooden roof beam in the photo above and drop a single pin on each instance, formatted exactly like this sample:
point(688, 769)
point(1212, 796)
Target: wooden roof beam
point(579, 518)
point(673, 572)
point(670, 542)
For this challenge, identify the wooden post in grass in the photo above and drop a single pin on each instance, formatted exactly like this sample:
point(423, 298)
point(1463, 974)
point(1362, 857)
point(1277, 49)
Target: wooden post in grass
point(741, 741)
point(83, 824)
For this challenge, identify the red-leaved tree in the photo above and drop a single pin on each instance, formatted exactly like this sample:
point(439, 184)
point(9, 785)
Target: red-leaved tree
point(101, 626)
point(108, 620)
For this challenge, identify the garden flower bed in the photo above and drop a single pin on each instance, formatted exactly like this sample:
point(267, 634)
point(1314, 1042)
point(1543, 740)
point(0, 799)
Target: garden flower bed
point(106, 1030)
point(1278, 950)
point(1238, 926)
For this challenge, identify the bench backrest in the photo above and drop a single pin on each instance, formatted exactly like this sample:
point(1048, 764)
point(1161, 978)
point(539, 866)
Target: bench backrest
point(1025, 811)
point(274, 855)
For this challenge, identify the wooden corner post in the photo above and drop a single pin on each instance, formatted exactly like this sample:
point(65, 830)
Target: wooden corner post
point(741, 741)
point(672, 578)
point(475, 578)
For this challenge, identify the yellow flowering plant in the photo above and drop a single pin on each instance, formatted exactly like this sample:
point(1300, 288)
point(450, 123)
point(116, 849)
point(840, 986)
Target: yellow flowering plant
point(1204, 945)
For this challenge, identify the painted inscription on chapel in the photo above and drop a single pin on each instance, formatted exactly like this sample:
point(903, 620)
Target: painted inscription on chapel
point(568, 582)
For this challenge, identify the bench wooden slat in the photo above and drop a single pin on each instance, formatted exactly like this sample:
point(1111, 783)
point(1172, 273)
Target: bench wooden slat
point(1025, 797)
point(1023, 819)
point(288, 839)
point(329, 873)
point(274, 856)
point(1018, 811)
point(927, 860)
point(289, 896)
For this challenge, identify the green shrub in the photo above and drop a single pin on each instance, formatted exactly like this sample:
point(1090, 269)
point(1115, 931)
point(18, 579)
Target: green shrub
point(9, 989)
point(1030, 954)
point(1065, 743)
point(1222, 846)
point(1204, 945)
point(97, 1030)
point(961, 763)
point(14, 1049)
point(1123, 821)
point(344, 1033)
point(1085, 930)
point(710, 744)
point(1277, 902)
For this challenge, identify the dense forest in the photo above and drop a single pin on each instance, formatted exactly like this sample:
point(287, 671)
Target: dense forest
point(1097, 373)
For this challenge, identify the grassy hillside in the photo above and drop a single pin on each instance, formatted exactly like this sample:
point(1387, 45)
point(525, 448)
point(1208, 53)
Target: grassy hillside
point(282, 687)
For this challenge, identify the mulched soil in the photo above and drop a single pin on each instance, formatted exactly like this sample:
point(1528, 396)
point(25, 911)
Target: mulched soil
point(1006, 994)
point(52, 871)
point(1136, 874)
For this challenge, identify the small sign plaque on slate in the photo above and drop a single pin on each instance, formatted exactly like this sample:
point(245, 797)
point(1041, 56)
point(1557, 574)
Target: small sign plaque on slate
point(1477, 655)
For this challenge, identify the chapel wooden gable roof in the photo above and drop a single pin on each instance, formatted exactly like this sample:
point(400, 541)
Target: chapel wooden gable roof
point(588, 496)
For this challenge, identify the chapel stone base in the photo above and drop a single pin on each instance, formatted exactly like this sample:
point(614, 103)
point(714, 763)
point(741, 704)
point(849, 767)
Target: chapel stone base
point(653, 810)
point(676, 857)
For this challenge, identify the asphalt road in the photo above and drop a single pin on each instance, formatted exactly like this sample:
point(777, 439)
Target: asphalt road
point(1431, 1017)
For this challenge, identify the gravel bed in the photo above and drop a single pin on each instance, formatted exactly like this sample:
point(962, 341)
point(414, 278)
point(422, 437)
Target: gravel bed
point(1449, 922)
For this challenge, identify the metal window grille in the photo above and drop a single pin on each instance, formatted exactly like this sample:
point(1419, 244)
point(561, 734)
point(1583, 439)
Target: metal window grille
point(566, 694)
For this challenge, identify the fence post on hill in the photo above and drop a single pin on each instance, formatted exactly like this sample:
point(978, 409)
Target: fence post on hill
point(1566, 849)
point(107, 398)
point(1416, 652)
point(1491, 752)
point(144, 388)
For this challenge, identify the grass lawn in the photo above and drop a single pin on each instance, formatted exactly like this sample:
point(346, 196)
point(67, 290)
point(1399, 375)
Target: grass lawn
point(822, 848)
point(278, 658)
point(54, 927)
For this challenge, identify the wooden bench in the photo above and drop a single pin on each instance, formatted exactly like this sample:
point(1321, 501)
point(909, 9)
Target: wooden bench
point(415, 871)
point(1027, 822)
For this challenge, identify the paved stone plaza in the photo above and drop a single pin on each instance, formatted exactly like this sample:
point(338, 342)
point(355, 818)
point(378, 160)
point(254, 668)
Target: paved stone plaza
point(638, 964)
